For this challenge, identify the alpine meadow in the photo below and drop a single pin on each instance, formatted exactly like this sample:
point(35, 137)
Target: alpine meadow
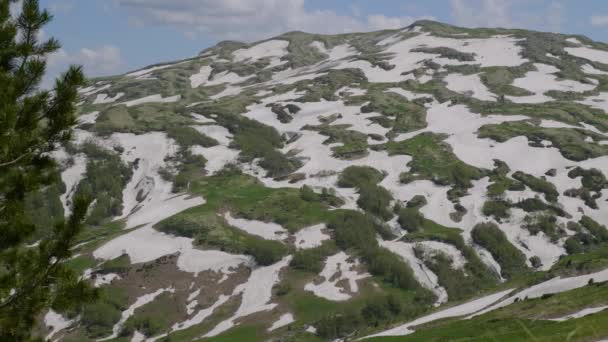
point(427, 183)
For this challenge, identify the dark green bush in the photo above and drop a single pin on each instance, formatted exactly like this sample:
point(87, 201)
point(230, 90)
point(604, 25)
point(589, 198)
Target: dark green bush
point(498, 209)
point(489, 236)
point(356, 176)
point(187, 136)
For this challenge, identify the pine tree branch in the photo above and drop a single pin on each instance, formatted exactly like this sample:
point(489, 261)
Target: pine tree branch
point(32, 286)
point(16, 160)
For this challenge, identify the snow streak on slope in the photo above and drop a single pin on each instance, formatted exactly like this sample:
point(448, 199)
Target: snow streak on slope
point(581, 313)
point(256, 294)
point(148, 198)
point(141, 301)
point(157, 98)
point(71, 177)
point(555, 285)
point(423, 274)
point(456, 311)
point(284, 320)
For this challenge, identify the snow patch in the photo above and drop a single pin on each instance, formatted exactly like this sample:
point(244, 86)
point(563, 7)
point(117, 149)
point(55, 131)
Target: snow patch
point(589, 69)
point(589, 53)
point(543, 80)
point(89, 118)
point(469, 84)
point(310, 237)
point(157, 98)
point(339, 265)
point(56, 322)
point(105, 279)
point(104, 98)
point(272, 48)
point(284, 320)
point(599, 101)
point(266, 230)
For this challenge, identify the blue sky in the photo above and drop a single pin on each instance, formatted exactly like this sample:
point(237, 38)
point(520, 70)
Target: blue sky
point(113, 36)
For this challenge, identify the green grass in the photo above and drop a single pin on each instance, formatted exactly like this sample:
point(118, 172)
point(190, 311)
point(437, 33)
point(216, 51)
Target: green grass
point(513, 329)
point(592, 260)
point(155, 317)
point(353, 144)
point(248, 333)
point(570, 142)
point(405, 116)
point(434, 160)
point(525, 320)
point(511, 259)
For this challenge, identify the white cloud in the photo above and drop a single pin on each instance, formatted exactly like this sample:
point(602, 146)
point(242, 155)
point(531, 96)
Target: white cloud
point(531, 14)
point(96, 61)
point(100, 61)
point(381, 22)
point(481, 13)
point(599, 20)
point(250, 19)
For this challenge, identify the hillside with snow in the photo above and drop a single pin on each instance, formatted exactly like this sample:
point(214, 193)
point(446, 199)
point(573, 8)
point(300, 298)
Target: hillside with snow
point(320, 187)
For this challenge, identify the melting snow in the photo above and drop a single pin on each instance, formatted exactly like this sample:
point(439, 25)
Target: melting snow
point(555, 285)
point(256, 294)
point(310, 237)
point(284, 320)
point(456, 311)
point(141, 301)
point(543, 80)
point(104, 98)
point(89, 118)
point(104, 279)
point(423, 274)
point(494, 51)
point(581, 313)
point(201, 77)
point(157, 98)
point(589, 53)
point(56, 322)
point(337, 264)
point(144, 73)
point(71, 177)
point(92, 90)
point(272, 48)
point(589, 69)
point(599, 101)
point(201, 315)
point(469, 83)
point(432, 247)
point(146, 244)
point(268, 231)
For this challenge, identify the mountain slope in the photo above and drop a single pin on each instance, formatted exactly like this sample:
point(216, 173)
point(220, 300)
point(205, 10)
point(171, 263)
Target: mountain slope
point(313, 187)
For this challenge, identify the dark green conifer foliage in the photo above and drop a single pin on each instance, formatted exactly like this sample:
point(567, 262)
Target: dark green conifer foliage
point(32, 124)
